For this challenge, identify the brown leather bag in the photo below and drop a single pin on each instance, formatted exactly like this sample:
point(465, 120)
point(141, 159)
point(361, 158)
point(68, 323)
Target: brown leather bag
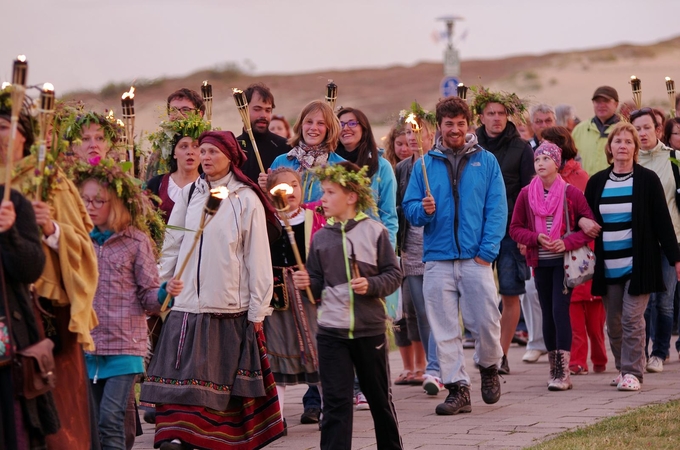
point(33, 366)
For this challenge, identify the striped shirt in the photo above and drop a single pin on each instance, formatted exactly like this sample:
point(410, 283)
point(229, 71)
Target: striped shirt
point(616, 208)
point(543, 253)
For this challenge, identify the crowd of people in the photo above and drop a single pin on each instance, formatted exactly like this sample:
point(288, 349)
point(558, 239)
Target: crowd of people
point(440, 234)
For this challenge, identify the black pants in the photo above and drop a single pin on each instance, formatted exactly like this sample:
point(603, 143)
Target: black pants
point(549, 279)
point(337, 360)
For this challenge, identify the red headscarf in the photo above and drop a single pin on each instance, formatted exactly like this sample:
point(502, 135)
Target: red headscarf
point(226, 142)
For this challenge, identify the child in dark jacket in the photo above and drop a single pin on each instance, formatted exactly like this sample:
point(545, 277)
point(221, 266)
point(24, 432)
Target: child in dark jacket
point(352, 320)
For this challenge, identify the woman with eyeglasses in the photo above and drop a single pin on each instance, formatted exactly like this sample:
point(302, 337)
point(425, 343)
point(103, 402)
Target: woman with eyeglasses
point(357, 145)
point(630, 206)
point(654, 155)
point(315, 138)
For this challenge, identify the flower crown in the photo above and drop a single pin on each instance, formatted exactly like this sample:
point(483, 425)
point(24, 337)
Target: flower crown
point(513, 105)
point(77, 119)
point(356, 182)
point(163, 140)
point(421, 114)
point(138, 202)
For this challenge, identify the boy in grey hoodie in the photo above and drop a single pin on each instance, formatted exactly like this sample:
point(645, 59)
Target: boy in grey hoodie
point(352, 266)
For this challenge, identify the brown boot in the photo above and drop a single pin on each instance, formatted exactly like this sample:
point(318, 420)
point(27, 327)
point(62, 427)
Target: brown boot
point(562, 380)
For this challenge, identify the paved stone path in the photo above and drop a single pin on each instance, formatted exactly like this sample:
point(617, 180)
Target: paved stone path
point(526, 413)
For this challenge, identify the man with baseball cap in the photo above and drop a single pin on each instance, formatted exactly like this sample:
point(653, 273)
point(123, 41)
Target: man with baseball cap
point(591, 136)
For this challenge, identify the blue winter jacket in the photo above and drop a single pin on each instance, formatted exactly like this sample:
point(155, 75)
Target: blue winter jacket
point(473, 227)
point(384, 186)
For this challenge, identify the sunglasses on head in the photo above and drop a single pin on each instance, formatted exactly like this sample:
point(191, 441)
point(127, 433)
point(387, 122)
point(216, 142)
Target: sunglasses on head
point(640, 112)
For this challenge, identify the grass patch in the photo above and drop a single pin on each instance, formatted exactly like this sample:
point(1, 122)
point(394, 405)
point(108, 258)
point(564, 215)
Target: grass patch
point(655, 426)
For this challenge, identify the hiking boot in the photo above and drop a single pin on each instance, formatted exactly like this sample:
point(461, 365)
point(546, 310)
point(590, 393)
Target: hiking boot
point(561, 380)
point(491, 384)
point(310, 415)
point(504, 368)
point(458, 401)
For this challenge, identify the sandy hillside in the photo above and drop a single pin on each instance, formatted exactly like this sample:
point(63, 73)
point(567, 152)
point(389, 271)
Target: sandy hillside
point(552, 78)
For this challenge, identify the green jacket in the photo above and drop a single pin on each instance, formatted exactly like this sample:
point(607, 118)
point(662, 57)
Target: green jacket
point(590, 144)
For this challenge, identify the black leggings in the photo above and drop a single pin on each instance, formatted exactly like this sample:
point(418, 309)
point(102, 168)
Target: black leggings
point(549, 279)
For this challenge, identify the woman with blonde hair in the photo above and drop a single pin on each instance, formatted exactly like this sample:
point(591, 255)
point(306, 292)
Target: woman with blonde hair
point(315, 138)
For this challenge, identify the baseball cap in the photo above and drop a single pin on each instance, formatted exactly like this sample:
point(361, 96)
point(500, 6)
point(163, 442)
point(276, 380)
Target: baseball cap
point(607, 92)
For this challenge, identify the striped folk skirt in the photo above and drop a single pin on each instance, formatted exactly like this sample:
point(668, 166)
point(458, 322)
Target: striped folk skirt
point(212, 385)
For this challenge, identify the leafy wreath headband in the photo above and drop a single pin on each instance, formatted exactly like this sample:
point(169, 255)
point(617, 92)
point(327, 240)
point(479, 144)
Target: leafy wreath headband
point(513, 105)
point(166, 137)
point(356, 182)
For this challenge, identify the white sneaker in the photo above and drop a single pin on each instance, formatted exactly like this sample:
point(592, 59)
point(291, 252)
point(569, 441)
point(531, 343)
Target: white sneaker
point(531, 356)
point(655, 365)
point(432, 385)
point(361, 402)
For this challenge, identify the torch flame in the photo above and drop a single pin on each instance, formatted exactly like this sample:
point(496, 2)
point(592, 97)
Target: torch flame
point(412, 120)
point(236, 91)
point(282, 187)
point(205, 83)
point(47, 87)
point(220, 192)
point(109, 116)
point(6, 84)
point(129, 94)
point(668, 78)
point(21, 58)
point(633, 77)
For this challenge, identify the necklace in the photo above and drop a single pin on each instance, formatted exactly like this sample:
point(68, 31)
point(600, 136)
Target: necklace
point(623, 177)
point(291, 215)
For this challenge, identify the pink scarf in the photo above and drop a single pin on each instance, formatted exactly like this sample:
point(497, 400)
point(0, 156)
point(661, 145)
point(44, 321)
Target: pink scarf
point(543, 206)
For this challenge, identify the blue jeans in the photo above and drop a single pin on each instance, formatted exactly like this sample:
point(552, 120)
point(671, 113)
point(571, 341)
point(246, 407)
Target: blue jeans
point(450, 286)
point(415, 285)
point(659, 314)
point(111, 397)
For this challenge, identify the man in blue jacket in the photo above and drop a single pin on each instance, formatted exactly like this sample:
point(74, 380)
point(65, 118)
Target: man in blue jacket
point(464, 219)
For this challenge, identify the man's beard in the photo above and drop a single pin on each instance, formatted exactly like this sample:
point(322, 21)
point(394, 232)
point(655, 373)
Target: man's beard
point(258, 123)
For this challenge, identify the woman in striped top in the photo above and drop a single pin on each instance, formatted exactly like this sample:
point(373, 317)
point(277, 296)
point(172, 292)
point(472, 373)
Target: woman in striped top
point(629, 203)
point(540, 223)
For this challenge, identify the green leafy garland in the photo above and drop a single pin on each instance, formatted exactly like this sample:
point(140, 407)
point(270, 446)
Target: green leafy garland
point(356, 182)
point(162, 140)
point(77, 119)
point(421, 114)
point(137, 201)
point(513, 105)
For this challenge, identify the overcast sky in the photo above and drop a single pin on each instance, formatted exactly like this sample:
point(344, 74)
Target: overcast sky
point(78, 44)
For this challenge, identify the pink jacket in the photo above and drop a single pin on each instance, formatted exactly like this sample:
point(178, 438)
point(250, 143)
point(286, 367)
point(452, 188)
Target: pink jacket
point(522, 228)
point(127, 291)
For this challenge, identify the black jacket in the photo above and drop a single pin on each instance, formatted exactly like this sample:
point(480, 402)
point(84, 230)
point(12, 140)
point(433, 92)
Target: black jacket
point(652, 227)
point(270, 146)
point(23, 260)
point(515, 157)
point(403, 175)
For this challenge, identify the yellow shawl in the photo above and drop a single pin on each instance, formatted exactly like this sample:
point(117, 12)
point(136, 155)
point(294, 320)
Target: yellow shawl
point(70, 276)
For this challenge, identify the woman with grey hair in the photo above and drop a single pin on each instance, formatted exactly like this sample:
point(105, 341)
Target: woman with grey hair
point(565, 116)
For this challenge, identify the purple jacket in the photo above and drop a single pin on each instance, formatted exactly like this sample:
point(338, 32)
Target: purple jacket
point(522, 226)
point(126, 293)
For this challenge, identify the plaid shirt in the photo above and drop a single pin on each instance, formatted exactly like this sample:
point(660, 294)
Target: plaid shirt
point(126, 293)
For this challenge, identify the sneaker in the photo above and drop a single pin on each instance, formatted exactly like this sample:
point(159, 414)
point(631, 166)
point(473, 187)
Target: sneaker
point(458, 401)
point(361, 402)
point(491, 384)
point(504, 368)
point(599, 368)
point(629, 382)
point(432, 385)
point(470, 343)
point(521, 338)
point(655, 365)
point(531, 356)
point(310, 415)
point(578, 370)
point(616, 381)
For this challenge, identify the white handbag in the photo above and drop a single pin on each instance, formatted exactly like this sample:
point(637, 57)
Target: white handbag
point(579, 264)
